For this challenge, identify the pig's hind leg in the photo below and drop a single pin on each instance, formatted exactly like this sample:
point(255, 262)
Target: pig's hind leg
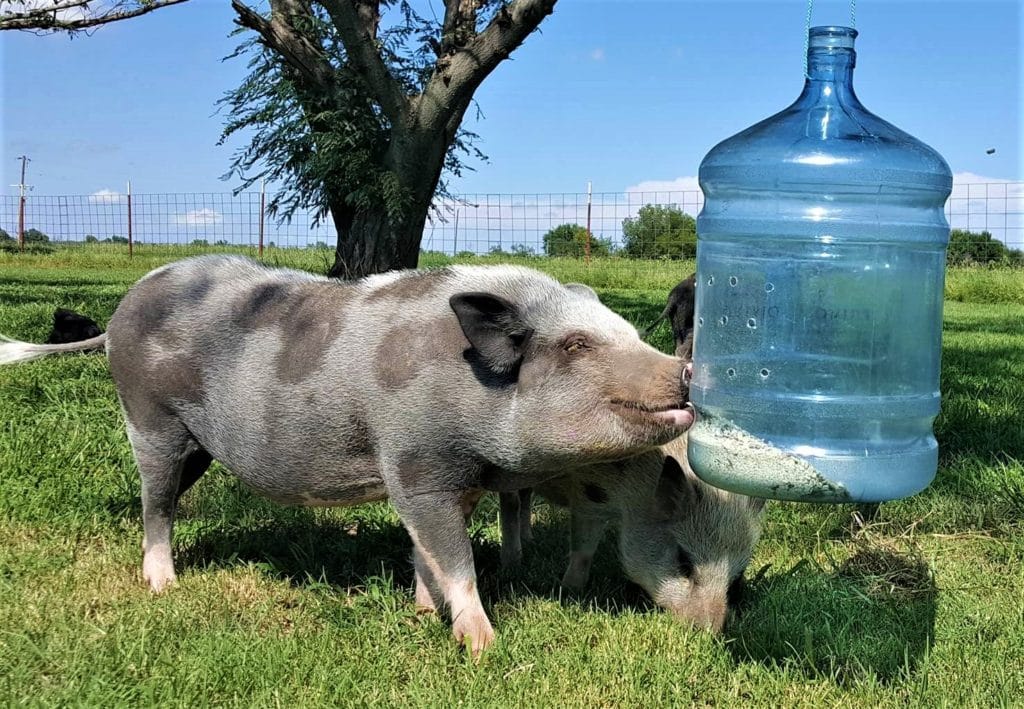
point(511, 530)
point(516, 531)
point(169, 463)
point(587, 530)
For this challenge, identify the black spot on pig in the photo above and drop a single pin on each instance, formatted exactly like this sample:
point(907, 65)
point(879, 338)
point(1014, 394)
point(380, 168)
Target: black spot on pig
point(263, 307)
point(69, 326)
point(195, 291)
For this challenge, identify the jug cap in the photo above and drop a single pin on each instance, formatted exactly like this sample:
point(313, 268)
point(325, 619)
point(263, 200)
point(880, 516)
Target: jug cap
point(832, 37)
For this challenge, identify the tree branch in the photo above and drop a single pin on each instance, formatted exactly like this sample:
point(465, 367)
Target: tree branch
point(457, 78)
point(279, 34)
point(459, 25)
point(46, 18)
point(360, 40)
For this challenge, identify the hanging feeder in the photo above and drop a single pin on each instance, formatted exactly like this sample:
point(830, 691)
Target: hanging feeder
point(821, 252)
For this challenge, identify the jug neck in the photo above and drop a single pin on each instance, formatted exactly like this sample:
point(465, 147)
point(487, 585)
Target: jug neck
point(830, 59)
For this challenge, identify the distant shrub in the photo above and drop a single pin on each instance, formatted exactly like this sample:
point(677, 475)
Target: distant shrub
point(34, 236)
point(660, 231)
point(969, 247)
point(571, 240)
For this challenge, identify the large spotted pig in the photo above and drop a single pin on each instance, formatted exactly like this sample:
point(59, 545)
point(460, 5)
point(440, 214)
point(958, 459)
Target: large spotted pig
point(685, 542)
point(422, 387)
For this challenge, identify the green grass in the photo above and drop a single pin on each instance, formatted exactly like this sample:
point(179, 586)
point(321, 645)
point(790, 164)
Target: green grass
point(313, 607)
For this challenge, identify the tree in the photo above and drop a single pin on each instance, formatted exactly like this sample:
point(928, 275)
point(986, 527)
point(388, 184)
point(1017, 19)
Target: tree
point(4, 236)
point(358, 117)
point(570, 240)
point(979, 247)
point(660, 231)
point(34, 236)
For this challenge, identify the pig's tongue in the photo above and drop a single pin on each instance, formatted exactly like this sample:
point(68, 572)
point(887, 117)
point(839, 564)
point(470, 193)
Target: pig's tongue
point(680, 418)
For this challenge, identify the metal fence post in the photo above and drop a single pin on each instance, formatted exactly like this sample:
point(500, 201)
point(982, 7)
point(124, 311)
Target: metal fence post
point(263, 204)
point(586, 244)
point(455, 243)
point(130, 242)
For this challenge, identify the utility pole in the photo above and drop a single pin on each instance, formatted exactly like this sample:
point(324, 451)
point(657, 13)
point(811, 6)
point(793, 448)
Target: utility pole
point(21, 203)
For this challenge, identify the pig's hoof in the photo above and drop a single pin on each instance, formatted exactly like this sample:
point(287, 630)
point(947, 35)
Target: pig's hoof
point(158, 569)
point(474, 631)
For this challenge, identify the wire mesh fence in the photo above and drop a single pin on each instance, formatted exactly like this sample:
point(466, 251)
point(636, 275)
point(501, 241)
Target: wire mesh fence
point(987, 221)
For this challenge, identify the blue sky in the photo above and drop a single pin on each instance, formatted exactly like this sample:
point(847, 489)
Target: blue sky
point(620, 93)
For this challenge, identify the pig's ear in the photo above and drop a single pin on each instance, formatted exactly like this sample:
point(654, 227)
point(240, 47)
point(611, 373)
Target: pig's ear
point(494, 327)
point(675, 490)
point(584, 290)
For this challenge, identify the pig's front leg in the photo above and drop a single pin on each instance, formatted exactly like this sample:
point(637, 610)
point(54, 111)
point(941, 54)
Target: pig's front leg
point(445, 574)
point(586, 535)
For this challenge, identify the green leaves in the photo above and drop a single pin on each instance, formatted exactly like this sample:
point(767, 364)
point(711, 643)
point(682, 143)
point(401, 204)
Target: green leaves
point(660, 231)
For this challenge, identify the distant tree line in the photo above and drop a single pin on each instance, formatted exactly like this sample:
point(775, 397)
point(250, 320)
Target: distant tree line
point(657, 232)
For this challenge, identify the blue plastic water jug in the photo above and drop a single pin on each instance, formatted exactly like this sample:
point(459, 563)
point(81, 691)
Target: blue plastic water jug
point(821, 254)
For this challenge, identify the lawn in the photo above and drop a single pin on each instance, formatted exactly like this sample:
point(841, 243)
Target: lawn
point(282, 606)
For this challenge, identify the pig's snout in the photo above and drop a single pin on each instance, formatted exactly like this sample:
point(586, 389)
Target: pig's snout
point(708, 615)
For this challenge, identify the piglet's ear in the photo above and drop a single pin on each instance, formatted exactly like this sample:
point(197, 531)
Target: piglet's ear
point(494, 327)
point(584, 290)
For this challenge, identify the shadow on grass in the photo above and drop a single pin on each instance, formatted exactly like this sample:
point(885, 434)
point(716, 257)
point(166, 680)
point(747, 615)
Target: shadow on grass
point(307, 548)
point(874, 616)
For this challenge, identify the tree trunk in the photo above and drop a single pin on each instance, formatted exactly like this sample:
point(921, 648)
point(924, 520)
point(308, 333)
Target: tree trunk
point(371, 243)
point(368, 241)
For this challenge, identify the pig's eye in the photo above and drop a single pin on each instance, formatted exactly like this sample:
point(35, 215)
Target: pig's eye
point(684, 562)
point(575, 345)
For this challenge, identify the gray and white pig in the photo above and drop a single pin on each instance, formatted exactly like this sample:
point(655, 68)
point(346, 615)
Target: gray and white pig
point(425, 387)
point(686, 543)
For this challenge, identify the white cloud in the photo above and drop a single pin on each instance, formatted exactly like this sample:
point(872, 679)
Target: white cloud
point(597, 54)
point(679, 184)
point(199, 217)
point(106, 196)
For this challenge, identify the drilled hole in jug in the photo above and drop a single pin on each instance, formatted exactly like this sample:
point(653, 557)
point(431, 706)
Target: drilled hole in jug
point(711, 280)
point(769, 287)
point(733, 280)
point(723, 320)
point(700, 321)
point(752, 323)
point(730, 372)
point(764, 373)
